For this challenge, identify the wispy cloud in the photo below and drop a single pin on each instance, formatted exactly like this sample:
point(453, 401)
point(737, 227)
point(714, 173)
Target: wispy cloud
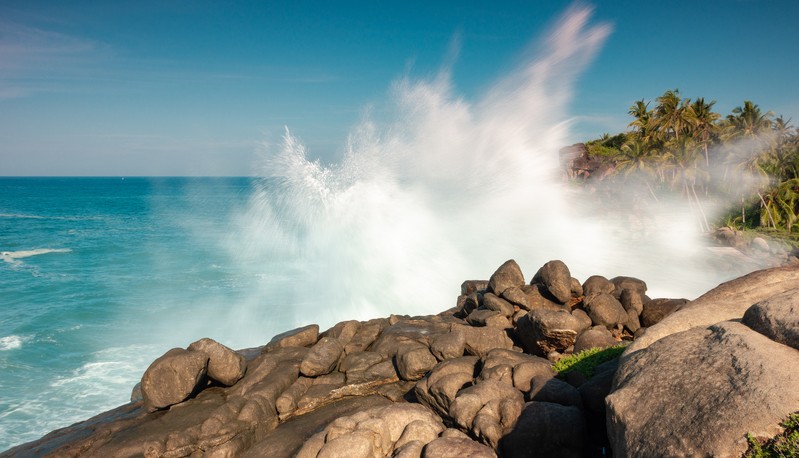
point(31, 57)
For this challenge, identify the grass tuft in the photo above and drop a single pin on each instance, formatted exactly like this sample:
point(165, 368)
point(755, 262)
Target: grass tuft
point(586, 361)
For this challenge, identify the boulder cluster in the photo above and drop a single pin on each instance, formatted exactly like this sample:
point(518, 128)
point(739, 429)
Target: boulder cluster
point(478, 379)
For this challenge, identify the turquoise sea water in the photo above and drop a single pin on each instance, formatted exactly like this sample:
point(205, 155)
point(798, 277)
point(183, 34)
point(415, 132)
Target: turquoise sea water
point(99, 276)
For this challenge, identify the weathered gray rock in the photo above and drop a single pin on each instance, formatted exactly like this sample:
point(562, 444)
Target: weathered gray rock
point(597, 336)
point(543, 331)
point(494, 302)
point(556, 278)
point(449, 345)
point(517, 297)
point(479, 341)
point(299, 337)
point(657, 309)
point(488, 409)
point(725, 302)
point(507, 275)
point(489, 318)
point(365, 335)
point(632, 300)
point(173, 377)
point(360, 361)
point(414, 361)
point(473, 286)
point(598, 284)
point(343, 331)
point(439, 388)
point(776, 318)
point(605, 310)
point(576, 287)
point(457, 447)
point(628, 283)
point(554, 390)
point(545, 429)
point(699, 392)
point(538, 298)
point(224, 365)
point(374, 432)
point(322, 358)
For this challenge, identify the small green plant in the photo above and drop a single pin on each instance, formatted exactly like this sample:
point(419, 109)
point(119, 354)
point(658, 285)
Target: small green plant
point(586, 361)
point(783, 445)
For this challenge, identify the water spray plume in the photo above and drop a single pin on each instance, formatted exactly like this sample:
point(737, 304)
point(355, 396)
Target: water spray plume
point(445, 191)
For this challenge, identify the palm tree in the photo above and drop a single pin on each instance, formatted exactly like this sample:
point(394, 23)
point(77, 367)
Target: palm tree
point(749, 121)
point(672, 114)
point(643, 122)
point(703, 120)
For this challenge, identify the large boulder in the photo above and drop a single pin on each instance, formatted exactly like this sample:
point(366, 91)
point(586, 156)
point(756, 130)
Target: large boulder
point(700, 392)
point(225, 366)
point(543, 331)
point(457, 447)
point(507, 275)
point(725, 302)
point(173, 377)
point(605, 310)
point(776, 318)
point(556, 278)
point(322, 358)
point(545, 429)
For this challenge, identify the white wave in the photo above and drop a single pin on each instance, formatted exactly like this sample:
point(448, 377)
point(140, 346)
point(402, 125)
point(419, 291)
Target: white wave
point(12, 342)
point(11, 256)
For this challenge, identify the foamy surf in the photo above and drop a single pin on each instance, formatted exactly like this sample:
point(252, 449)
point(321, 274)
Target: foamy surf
point(12, 256)
point(12, 342)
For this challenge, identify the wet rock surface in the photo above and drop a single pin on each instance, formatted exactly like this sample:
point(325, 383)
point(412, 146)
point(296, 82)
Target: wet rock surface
point(477, 379)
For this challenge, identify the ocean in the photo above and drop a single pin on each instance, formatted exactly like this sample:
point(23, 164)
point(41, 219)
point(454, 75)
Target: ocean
point(98, 277)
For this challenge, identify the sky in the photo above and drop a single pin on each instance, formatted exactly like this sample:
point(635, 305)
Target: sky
point(178, 88)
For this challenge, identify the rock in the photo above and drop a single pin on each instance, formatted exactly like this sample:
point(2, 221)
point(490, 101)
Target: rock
point(605, 310)
point(583, 319)
point(556, 278)
point(490, 318)
point(657, 309)
point(551, 389)
point(457, 447)
point(479, 341)
point(760, 244)
point(287, 402)
point(287, 439)
point(471, 303)
point(374, 432)
point(414, 361)
point(627, 283)
point(523, 367)
point(365, 336)
point(493, 302)
point(598, 284)
point(776, 318)
point(224, 365)
point(735, 381)
point(632, 300)
point(545, 429)
point(593, 392)
point(322, 358)
point(173, 377)
point(438, 389)
point(507, 275)
point(597, 336)
point(543, 331)
point(448, 346)
point(360, 361)
point(725, 302)
point(576, 287)
point(516, 297)
point(299, 337)
point(537, 299)
point(343, 331)
point(472, 286)
point(488, 409)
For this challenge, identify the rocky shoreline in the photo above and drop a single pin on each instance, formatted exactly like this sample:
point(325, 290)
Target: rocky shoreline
point(478, 379)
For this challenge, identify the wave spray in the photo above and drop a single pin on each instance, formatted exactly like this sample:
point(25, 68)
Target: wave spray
point(447, 190)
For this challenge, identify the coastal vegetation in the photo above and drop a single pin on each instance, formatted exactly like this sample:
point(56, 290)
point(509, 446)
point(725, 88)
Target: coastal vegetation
point(675, 145)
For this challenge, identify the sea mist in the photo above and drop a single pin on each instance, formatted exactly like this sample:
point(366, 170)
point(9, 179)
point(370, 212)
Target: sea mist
point(446, 190)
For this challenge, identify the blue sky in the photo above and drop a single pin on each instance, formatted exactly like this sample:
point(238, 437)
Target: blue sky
point(193, 87)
